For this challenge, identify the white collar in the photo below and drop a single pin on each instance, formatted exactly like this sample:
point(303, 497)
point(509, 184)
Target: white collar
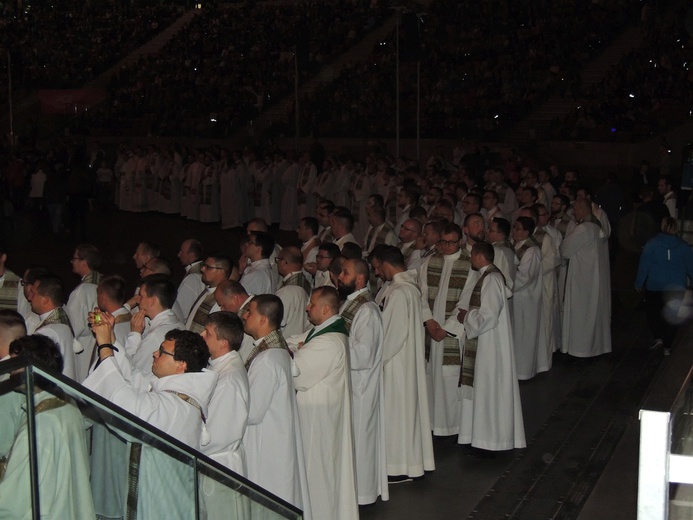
point(356, 293)
point(190, 266)
point(314, 237)
point(289, 275)
point(329, 321)
point(453, 256)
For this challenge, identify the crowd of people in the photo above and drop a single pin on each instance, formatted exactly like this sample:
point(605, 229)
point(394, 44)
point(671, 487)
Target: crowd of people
point(481, 66)
point(216, 75)
point(411, 303)
point(647, 92)
point(60, 45)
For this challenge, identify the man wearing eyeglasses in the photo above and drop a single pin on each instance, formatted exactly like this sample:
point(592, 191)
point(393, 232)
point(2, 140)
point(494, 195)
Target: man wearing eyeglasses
point(215, 269)
point(175, 401)
point(443, 278)
point(408, 233)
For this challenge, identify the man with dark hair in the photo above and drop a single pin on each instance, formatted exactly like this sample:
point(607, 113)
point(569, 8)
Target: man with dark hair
point(487, 379)
point(379, 231)
point(560, 214)
point(272, 440)
point(409, 232)
point(110, 296)
point(308, 235)
point(145, 251)
point(504, 253)
point(85, 261)
point(362, 317)
point(190, 255)
point(62, 457)
point(326, 253)
point(232, 297)
point(215, 269)
point(407, 198)
point(26, 294)
point(527, 300)
point(174, 401)
point(342, 227)
point(444, 277)
point(259, 277)
point(47, 303)
point(294, 290)
point(228, 409)
point(324, 408)
point(409, 445)
point(489, 206)
point(157, 293)
point(664, 187)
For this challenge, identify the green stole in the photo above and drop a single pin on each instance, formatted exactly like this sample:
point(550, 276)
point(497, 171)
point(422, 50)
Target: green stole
point(470, 344)
point(8, 291)
point(352, 307)
point(458, 277)
point(338, 326)
point(273, 340)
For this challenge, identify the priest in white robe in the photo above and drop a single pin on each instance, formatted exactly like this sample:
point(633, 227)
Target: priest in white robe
point(174, 401)
point(527, 292)
point(364, 321)
point(62, 457)
point(228, 414)
point(488, 380)
point(274, 449)
point(586, 314)
point(323, 397)
point(190, 255)
point(293, 292)
point(409, 448)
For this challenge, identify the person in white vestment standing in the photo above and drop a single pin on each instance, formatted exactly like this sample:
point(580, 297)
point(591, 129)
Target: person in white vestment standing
point(364, 321)
point(293, 292)
point(409, 448)
point(527, 300)
point(228, 413)
point(47, 303)
point(443, 278)
point(308, 235)
point(488, 380)
point(273, 444)
point(190, 255)
point(586, 314)
point(324, 408)
point(259, 277)
point(175, 401)
point(232, 297)
point(85, 261)
point(12, 326)
point(216, 268)
point(62, 458)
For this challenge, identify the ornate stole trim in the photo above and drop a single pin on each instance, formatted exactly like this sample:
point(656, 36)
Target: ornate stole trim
point(196, 269)
point(273, 340)
point(133, 480)
point(8, 291)
point(200, 319)
point(93, 277)
point(299, 280)
point(470, 345)
point(530, 242)
point(539, 235)
point(458, 277)
point(382, 234)
point(190, 401)
point(353, 306)
point(57, 316)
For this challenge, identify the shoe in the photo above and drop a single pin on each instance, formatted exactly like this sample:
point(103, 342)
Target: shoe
point(667, 352)
point(478, 453)
point(398, 479)
point(656, 344)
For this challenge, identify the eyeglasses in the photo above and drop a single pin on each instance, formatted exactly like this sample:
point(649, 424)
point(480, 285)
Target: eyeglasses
point(207, 266)
point(448, 242)
point(162, 351)
point(410, 229)
point(323, 257)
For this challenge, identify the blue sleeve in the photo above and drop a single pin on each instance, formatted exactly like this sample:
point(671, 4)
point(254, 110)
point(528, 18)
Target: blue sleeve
point(644, 266)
